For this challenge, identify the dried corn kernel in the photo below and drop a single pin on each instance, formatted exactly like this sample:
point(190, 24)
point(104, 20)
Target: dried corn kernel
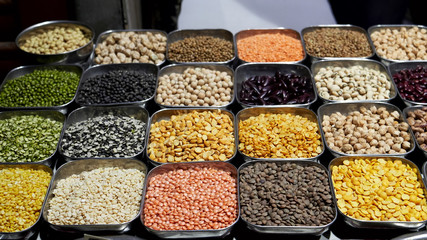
point(386, 191)
point(21, 197)
point(279, 136)
point(194, 136)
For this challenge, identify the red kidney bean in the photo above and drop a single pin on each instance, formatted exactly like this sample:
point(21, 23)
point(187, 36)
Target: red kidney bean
point(412, 84)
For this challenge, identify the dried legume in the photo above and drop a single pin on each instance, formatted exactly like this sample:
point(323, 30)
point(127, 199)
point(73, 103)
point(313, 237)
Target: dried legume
point(54, 40)
point(279, 136)
point(412, 84)
point(40, 88)
point(352, 83)
point(337, 42)
point(109, 195)
point(117, 86)
point(131, 47)
point(285, 194)
point(197, 198)
point(270, 47)
point(417, 119)
point(281, 88)
point(367, 131)
point(22, 194)
point(201, 49)
point(195, 87)
point(28, 138)
point(193, 136)
point(401, 43)
point(379, 189)
point(108, 135)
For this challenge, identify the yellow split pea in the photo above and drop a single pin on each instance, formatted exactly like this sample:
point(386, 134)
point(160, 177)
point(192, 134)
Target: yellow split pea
point(194, 136)
point(380, 190)
point(279, 136)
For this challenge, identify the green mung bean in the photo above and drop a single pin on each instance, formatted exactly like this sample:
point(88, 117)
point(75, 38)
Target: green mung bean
point(41, 88)
point(28, 138)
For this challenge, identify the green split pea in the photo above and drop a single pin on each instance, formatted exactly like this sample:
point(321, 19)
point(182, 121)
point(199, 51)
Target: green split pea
point(28, 138)
point(41, 88)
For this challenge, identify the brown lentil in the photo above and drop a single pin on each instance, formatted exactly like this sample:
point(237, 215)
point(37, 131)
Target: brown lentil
point(367, 131)
point(285, 194)
point(401, 43)
point(131, 47)
point(197, 198)
point(337, 42)
point(195, 87)
point(201, 49)
point(417, 119)
point(379, 189)
point(110, 195)
point(194, 136)
point(279, 136)
point(22, 192)
point(55, 40)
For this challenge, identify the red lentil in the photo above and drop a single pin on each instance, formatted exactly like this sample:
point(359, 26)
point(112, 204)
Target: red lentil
point(191, 199)
point(270, 47)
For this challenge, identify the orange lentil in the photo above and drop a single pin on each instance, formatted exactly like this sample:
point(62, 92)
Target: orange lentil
point(192, 199)
point(270, 47)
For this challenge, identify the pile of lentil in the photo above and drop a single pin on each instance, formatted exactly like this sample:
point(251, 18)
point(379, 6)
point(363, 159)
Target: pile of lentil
point(131, 47)
point(195, 87)
point(401, 43)
point(110, 195)
point(198, 198)
point(41, 88)
point(337, 42)
point(270, 47)
point(412, 83)
point(28, 138)
point(108, 135)
point(285, 194)
point(194, 136)
point(279, 136)
point(201, 49)
point(379, 189)
point(367, 131)
point(117, 86)
point(54, 40)
point(23, 191)
point(417, 119)
point(352, 83)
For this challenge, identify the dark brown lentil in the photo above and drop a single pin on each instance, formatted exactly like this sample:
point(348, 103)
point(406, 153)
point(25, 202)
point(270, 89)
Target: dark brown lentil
point(201, 49)
point(337, 42)
point(285, 194)
point(117, 86)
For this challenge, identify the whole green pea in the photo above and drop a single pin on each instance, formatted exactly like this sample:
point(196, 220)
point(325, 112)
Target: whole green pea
point(41, 88)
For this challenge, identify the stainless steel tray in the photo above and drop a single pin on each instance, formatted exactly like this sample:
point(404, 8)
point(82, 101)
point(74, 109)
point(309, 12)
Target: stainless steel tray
point(313, 230)
point(85, 113)
point(165, 114)
point(29, 232)
point(247, 70)
point(196, 234)
point(346, 108)
point(78, 167)
point(51, 114)
point(397, 67)
point(405, 116)
point(356, 223)
point(350, 62)
point(342, 26)
point(180, 68)
point(74, 56)
point(251, 32)
point(23, 70)
point(178, 35)
point(255, 111)
point(105, 68)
